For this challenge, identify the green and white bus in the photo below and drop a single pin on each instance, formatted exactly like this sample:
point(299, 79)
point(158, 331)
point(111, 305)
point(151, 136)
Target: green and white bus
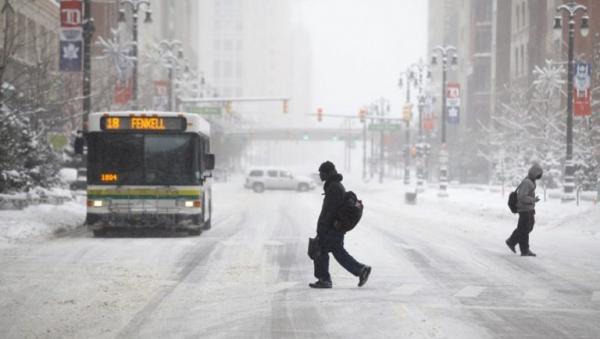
point(148, 169)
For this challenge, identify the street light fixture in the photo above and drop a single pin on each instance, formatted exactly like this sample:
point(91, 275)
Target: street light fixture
point(421, 74)
point(410, 77)
point(571, 8)
point(444, 52)
point(135, 6)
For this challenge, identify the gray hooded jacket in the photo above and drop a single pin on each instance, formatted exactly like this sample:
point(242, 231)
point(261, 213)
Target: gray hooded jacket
point(526, 190)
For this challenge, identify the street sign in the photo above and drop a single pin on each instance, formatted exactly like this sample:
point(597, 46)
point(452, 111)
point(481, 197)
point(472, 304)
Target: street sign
point(384, 127)
point(582, 85)
point(206, 110)
point(453, 102)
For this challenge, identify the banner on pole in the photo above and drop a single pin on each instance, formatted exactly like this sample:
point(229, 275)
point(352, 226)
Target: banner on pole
point(582, 89)
point(160, 100)
point(427, 114)
point(123, 92)
point(453, 102)
point(70, 13)
point(71, 56)
point(71, 36)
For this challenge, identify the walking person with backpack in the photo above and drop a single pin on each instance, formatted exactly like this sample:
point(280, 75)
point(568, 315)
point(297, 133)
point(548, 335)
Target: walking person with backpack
point(525, 206)
point(331, 229)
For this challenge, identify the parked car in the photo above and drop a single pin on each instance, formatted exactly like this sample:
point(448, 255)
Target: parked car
point(80, 182)
point(260, 179)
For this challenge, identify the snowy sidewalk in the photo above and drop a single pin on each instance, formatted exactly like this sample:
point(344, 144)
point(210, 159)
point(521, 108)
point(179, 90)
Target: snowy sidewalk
point(41, 220)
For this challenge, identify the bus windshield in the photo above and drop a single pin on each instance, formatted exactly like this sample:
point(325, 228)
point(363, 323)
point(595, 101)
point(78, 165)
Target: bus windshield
point(141, 159)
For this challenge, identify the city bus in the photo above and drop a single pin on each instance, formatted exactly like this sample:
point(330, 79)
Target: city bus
point(148, 170)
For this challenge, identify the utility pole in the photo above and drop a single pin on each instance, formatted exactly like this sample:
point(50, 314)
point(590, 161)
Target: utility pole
point(88, 31)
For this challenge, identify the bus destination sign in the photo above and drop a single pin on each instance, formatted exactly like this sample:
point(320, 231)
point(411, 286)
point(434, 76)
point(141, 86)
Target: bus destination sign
point(142, 123)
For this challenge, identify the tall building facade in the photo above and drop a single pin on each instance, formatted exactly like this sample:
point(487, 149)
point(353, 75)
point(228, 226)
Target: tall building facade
point(499, 43)
point(251, 49)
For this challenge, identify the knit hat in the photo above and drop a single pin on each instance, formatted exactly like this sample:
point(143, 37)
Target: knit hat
point(327, 167)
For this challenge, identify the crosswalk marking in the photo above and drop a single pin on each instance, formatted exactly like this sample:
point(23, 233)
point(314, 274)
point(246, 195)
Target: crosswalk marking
point(596, 296)
point(408, 289)
point(470, 292)
point(537, 294)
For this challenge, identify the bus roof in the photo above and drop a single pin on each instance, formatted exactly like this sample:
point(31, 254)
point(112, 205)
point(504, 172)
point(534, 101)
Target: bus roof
point(195, 123)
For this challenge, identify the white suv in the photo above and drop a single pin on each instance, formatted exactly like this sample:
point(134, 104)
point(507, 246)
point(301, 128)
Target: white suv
point(260, 179)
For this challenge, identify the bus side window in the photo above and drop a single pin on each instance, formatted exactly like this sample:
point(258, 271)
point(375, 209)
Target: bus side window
point(200, 158)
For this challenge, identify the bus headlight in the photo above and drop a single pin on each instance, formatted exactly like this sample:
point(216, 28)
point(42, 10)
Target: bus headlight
point(95, 203)
point(193, 203)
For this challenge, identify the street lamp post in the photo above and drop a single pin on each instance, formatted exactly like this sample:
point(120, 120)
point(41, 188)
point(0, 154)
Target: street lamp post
point(571, 8)
point(167, 51)
point(135, 6)
point(409, 77)
point(444, 51)
point(382, 107)
point(88, 31)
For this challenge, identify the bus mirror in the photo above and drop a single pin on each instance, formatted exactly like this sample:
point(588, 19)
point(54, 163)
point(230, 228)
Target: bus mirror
point(78, 145)
point(210, 162)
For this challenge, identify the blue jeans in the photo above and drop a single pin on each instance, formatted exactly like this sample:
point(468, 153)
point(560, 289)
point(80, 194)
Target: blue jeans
point(334, 242)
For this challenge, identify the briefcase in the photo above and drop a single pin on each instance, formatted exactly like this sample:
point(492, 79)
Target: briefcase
point(314, 249)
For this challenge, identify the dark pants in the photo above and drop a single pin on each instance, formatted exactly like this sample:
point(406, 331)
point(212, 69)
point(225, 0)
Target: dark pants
point(521, 233)
point(334, 242)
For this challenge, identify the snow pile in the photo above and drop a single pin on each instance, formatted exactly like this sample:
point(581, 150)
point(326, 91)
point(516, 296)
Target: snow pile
point(41, 220)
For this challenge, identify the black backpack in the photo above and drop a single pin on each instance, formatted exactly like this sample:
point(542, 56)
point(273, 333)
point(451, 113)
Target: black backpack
point(512, 200)
point(349, 213)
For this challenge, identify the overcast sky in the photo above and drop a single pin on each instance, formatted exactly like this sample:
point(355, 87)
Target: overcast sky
point(360, 47)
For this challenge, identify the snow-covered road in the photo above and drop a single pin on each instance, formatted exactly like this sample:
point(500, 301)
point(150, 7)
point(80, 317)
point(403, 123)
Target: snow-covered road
point(440, 270)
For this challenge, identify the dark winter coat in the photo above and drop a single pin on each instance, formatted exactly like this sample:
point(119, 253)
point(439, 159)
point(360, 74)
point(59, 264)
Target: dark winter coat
point(334, 198)
point(526, 191)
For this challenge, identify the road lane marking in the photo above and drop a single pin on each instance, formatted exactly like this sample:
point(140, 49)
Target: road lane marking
point(408, 289)
point(596, 296)
point(470, 292)
point(537, 294)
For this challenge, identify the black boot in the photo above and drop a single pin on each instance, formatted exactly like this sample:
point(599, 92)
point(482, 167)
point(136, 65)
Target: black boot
point(364, 275)
point(512, 247)
point(320, 284)
point(528, 254)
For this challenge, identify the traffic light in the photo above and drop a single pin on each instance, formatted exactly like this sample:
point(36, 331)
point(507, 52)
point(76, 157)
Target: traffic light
point(285, 106)
point(319, 114)
point(362, 114)
point(407, 112)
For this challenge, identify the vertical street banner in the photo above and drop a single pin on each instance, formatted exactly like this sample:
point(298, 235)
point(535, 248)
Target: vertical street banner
point(453, 102)
point(427, 114)
point(71, 36)
point(160, 100)
point(123, 92)
point(582, 89)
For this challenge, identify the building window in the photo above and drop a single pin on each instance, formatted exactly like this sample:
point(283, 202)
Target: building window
point(227, 45)
point(227, 69)
point(238, 70)
point(518, 15)
point(516, 62)
point(217, 69)
point(524, 14)
point(483, 42)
